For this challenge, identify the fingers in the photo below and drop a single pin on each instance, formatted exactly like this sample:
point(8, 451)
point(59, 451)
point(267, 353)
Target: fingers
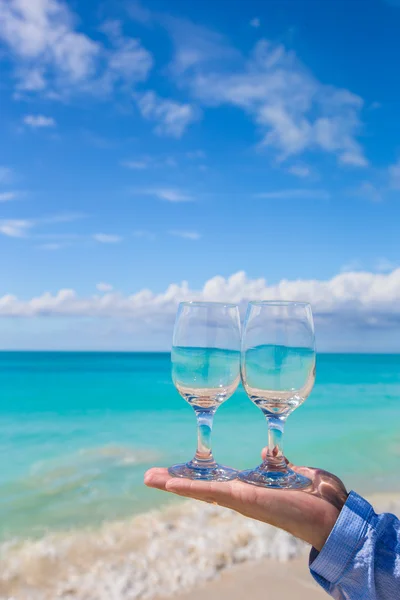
point(200, 490)
point(208, 491)
point(157, 478)
point(160, 479)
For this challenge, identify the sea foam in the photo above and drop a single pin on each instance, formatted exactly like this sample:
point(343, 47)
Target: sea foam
point(157, 553)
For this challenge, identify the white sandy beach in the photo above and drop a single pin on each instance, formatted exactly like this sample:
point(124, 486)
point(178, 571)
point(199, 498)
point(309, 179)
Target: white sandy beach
point(183, 551)
point(266, 580)
point(158, 553)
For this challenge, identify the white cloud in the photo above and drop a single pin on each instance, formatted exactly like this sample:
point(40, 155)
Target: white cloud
point(42, 34)
point(300, 171)
point(129, 59)
point(306, 194)
point(361, 298)
point(19, 228)
point(186, 235)
point(195, 45)
point(149, 162)
point(7, 196)
point(51, 55)
point(255, 23)
point(354, 158)
point(168, 194)
point(386, 182)
point(106, 238)
point(32, 80)
point(293, 111)
point(39, 121)
point(369, 191)
point(172, 117)
point(16, 228)
point(104, 287)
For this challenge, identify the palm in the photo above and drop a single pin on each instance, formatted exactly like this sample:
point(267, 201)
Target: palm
point(308, 514)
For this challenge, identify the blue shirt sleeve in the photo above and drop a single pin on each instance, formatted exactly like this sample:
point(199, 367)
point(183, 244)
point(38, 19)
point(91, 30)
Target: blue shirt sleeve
point(361, 558)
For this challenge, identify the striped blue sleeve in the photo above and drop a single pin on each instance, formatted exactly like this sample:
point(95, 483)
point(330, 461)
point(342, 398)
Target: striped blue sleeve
point(361, 558)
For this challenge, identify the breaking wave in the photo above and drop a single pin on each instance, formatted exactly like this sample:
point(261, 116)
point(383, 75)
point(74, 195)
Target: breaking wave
point(157, 553)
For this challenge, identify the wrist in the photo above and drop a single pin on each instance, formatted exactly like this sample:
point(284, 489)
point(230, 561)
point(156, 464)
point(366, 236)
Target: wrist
point(317, 518)
point(321, 533)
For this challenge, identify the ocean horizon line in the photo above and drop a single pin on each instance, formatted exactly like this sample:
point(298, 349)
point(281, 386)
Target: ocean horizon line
point(102, 351)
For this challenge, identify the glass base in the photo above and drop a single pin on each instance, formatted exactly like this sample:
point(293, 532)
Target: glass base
point(211, 472)
point(285, 480)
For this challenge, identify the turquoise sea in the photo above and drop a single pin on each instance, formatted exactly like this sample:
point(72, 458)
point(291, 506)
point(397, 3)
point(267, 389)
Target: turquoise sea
point(78, 430)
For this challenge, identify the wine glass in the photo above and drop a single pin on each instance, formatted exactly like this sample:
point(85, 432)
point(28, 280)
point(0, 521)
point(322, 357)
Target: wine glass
point(278, 374)
point(206, 372)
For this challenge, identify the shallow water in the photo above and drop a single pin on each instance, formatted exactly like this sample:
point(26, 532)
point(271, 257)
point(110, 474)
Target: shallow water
point(77, 431)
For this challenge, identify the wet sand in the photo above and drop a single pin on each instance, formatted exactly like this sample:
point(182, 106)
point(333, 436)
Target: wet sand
point(266, 580)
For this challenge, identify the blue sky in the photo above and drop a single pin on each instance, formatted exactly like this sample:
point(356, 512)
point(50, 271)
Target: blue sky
point(148, 144)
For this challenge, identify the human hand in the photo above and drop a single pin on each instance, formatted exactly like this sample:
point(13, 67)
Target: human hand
point(308, 514)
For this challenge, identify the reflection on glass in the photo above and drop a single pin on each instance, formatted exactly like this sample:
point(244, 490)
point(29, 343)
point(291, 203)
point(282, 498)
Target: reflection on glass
point(206, 372)
point(278, 373)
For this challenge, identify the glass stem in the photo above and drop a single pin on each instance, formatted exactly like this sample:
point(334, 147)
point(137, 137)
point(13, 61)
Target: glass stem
point(204, 456)
point(275, 459)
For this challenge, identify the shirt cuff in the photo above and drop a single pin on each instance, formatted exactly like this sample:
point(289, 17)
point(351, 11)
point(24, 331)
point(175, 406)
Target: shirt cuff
point(343, 541)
